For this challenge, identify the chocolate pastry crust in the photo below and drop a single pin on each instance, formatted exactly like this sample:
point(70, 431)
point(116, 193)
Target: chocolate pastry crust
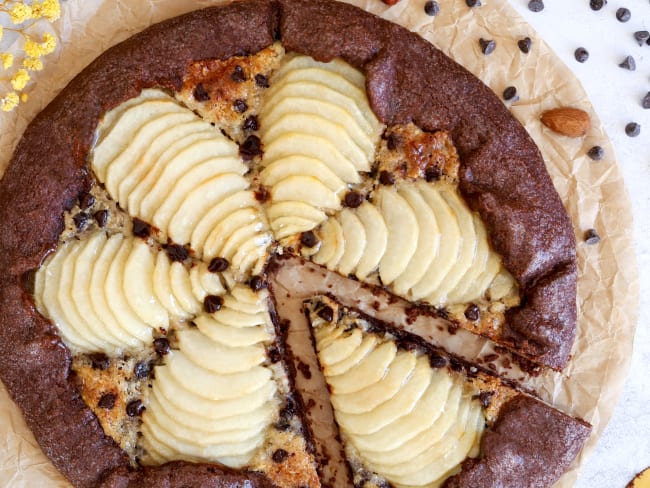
point(502, 176)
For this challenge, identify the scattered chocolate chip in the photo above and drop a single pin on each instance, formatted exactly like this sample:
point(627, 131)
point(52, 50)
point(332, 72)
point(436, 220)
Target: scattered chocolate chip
point(273, 354)
point(135, 408)
point(80, 220)
point(262, 194)
point(628, 63)
point(581, 55)
point(251, 123)
point(525, 44)
point(487, 46)
point(280, 455)
point(141, 228)
point(161, 346)
point(250, 148)
point(642, 37)
point(473, 3)
point(308, 239)
point(436, 361)
point(353, 199)
point(200, 94)
point(597, 4)
point(623, 14)
point(238, 75)
point(257, 283)
point(510, 93)
point(645, 103)
point(632, 129)
point(386, 178)
point(240, 106)
point(99, 360)
point(101, 217)
point(86, 200)
point(592, 237)
point(218, 265)
point(535, 5)
point(107, 401)
point(326, 313)
point(596, 153)
point(473, 313)
point(142, 370)
point(431, 8)
point(176, 252)
point(485, 397)
point(393, 141)
point(261, 81)
point(432, 173)
point(212, 303)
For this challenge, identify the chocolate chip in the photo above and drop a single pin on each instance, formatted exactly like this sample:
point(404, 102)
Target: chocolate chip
point(353, 199)
point(240, 105)
point(510, 93)
point(431, 8)
point(212, 303)
point(99, 360)
point(308, 239)
point(386, 178)
point(473, 3)
point(632, 129)
point(472, 312)
point(623, 14)
point(176, 252)
point(326, 313)
point(142, 370)
point(257, 283)
point(393, 141)
point(101, 217)
point(432, 173)
point(273, 354)
point(628, 64)
point(218, 265)
point(251, 123)
point(261, 81)
point(645, 103)
point(597, 4)
point(250, 148)
point(238, 75)
point(642, 37)
point(135, 408)
point(86, 200)
point(141, 228)
point(535, 5)
point(487, 46)
point(485, 397)
point(581, 55)
point(262, 194)
point(525, 44)
point(107, 401)
point(200, 94)
point(596, 153)
point(437, 361)
point(80, 220)
point(280, 455)
point(592, 237)
point(161, 346)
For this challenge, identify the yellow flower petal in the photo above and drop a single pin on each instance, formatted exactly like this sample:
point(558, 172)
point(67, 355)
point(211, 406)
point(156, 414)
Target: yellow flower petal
point(20, 79)
point(7, 60)
point(20, 12)
point(51, 9)
point(10, 102)
point(33, 64)
point(24, 97)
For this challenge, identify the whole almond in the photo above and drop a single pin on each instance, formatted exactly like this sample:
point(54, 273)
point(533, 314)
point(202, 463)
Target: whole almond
point(567, 121)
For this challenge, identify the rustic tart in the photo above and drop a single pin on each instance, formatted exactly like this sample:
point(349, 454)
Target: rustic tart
point(260, 245)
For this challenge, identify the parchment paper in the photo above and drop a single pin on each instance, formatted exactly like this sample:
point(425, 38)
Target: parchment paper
point(593, 192)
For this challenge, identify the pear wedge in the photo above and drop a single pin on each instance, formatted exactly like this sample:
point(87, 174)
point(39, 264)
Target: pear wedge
point(354, 236)
point(376, 239)
point(297, 165)
point(231, 336)
point(306, 189)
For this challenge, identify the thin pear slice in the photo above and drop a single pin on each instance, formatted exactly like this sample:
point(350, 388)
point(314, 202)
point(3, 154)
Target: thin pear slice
point(115, 295)
point(216, 386)
point(482, 283)
point(376, 239)
point(138, 286)
point(288, 226)
point(251, 252)
point(471, 276)
point(293, 208)
point(224, 229)
point(162, 287)
point(204, 282)
point(301, 144)
point(403, 233)
point(241, 236)
point(354, 235)
point(216, 357)
point(233, 196)
point(137, 145)
point(234, 318)
point(428, 240)
point(342, 348)
point(326, 335)
point(112, 116)
point(278, 170)
point(80, 296)
point(467, 251)
point(231, 302)
point(332, 246)
point(182, 289)
point(231, 336)
point(307, 189)
point(336, 65)
point(449, 245)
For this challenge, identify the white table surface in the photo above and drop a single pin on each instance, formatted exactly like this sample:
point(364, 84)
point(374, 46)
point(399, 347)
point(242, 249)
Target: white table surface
point(624, 448)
